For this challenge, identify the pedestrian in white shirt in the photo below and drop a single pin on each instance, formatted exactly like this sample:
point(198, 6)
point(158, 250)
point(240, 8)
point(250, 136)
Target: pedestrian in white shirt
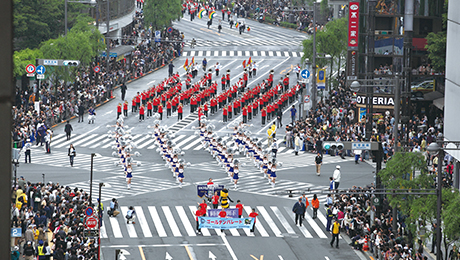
point(337, 175)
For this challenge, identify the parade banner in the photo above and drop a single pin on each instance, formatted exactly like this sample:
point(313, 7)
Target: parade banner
point(208, 190)
point(231, 213)
point(225, 223)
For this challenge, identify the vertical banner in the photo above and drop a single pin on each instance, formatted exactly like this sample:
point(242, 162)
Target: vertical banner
point(352, 65)
point(353, 24)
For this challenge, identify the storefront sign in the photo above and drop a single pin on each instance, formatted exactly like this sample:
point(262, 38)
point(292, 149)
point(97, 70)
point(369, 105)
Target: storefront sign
point(378, 100)
point(353, 24)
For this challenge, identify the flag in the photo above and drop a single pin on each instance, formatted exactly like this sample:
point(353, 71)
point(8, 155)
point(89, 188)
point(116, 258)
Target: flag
point(236, 25)
point(186, 64)
point(249, 61)
point(200, 13)
point(193, 61)
point(212, 14)
point(244, 64)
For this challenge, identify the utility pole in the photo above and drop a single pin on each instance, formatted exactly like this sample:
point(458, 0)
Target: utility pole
point(397, 111)
point(313, 74)
point(107, 36)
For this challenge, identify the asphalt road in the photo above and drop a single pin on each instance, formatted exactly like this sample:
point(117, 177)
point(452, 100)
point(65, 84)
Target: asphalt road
point(165, 226)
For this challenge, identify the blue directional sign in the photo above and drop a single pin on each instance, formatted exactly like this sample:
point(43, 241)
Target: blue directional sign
point(16, 232)
point(305, 74)
point(40, 70)
point(157, 36)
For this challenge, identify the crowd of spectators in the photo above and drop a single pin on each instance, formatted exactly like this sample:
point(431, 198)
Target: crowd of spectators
point(52, 216)
point(52, 103)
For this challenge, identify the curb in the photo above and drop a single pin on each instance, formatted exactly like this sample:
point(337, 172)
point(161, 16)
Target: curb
point(277, 26)
point(116, 87)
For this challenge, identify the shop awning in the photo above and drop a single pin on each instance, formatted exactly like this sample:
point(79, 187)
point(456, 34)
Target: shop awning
point(439, 103)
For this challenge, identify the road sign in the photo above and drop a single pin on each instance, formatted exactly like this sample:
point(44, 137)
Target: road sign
point(321, 87)
point(89, 211)
point(97, 69)
point(40, 76)
point(40, 70)
point(88, 233)
point(16, 232)
point(30, 69)
point(361, 146)
point(50, 62)
point(305, 74)
point(91, 222)
point(157, 34)
point(306, 99)
point(376, 201)
point(170, 29)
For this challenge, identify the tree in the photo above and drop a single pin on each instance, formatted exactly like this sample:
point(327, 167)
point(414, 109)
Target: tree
point(324, 7)
point(161, 13)
point(23, 58)
point(436, 44)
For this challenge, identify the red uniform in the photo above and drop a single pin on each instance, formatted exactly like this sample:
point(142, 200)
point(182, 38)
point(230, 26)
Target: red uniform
point(240, 209)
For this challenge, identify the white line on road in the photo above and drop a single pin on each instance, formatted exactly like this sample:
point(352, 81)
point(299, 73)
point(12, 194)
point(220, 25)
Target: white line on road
point(229, 248)
point(157, 221)
point(151, 82)
point(280, 257)
point(143, 221)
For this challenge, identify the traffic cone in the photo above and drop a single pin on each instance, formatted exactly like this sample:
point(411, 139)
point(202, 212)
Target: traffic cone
point(111, 94)
point(366, 246)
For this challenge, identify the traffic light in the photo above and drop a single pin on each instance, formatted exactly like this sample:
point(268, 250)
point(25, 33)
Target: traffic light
point(333, 145)
point(71, 63)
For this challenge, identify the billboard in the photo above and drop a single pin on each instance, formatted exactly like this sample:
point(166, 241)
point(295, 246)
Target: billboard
point(353, 24)
point(352, 65)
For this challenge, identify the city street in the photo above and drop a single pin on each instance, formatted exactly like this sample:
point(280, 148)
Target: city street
point(165, 224)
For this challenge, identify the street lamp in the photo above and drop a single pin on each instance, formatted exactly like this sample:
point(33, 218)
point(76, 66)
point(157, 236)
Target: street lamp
point(435, 147)
point(99, 210)
point(91, 177)
point(91, 2)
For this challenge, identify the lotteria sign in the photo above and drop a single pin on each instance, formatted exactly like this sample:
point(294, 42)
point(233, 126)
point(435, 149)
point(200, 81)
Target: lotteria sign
point(379, 101)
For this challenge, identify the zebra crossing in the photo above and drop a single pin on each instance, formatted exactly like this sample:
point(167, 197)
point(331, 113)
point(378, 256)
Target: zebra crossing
point(250, 42)
point(295, 54)
point(179, 221)
point(115, 187)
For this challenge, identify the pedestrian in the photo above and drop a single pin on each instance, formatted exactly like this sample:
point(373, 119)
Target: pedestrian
point(272, 178)
point(329, 216)
point(40, 251)
point(253, 215)
point(48, 141)
point(235, 177)
point(28, 251)
point(315, 206)
point(123, 91)
point(91, 115)
point(68, 130)
point(180, 175)
point(71, 153)
point(171, 69)
point(142, 113)
point(119, 109)
point(293, 114)
point(299, 210)
point(331, 184)
point(203, 207)
point(125, 109)
point(335, 233)
point(239, 206)
point(215, 200)
point(279, 118)
point(357, 155)
point(27, 147)
point(337, 176)
point(131, 215)
point(306, 203)
point(222, 214)
point(81, 112)
point(198, 213)
point(296, 143)
point(318, 162)
point(129, 175)
point(160, 111)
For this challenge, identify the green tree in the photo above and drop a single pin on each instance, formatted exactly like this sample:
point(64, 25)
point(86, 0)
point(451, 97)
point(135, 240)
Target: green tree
point(161, 13)
point(23, 58)
point(324, 7)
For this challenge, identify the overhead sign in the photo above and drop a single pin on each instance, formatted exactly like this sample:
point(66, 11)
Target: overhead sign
point(305, 74)
point(353, 24)
point(97, 69)
point(40, 70)
point(89, 211)
point(361, 146)
point(91, 222)
point(50, 62)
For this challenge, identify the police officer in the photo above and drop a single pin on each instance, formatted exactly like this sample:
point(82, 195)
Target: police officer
point(329, 216)
point(335, 233)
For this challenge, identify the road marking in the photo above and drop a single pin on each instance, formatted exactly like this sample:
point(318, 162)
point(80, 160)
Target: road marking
point(304, 231)
point(261, 257)
point(94, 129)
point(103, 232)
point(280, 257)
point(157, 221)
point(204, 231)
point(283, 220)
point(315, 226)
point(161, 245)
point(129, 227)
point(189, 253)
point(69, 141)
point(229, 248)
point(141, 251)
point(151, 82)
point(172, 223)
point(146, 143)
point(327, 258)
point(270, 221)
point(183, 216)
point(115, 228)
point(102, 136)
point(259, 226)
point(84, 139)
point(190, 145)
point(143, 221)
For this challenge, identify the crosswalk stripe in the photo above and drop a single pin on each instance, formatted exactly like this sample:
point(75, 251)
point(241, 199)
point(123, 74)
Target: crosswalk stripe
point(294, 54)
point(184, 219)
point(146, 143)
point(269, 220)
point(129, 227)
point(115, 228)
point(84, 139)
point(270, 53)
point(93, 140)
point(103, 231)
point(304, 231)
point(157, 221)
point(232, 53)
point(278, 53)
point(109, 142)
point(262, 53)
point(259, 226)
point(234, 232)
point(283, 220)
point(204, 231)
point(186, 141)
point(143, 221)
point(190, 145)
point(139, 142)
point(60, 139)
point(171, 221)
point(185, 54)
point(200, 53)
point(314, 225)
point(198, 147)
point(68, 142)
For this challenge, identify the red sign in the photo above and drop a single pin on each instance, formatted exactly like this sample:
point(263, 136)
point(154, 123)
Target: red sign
point(97, 69)
point(91, 222)
point(353, 24)
point(30, 68)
